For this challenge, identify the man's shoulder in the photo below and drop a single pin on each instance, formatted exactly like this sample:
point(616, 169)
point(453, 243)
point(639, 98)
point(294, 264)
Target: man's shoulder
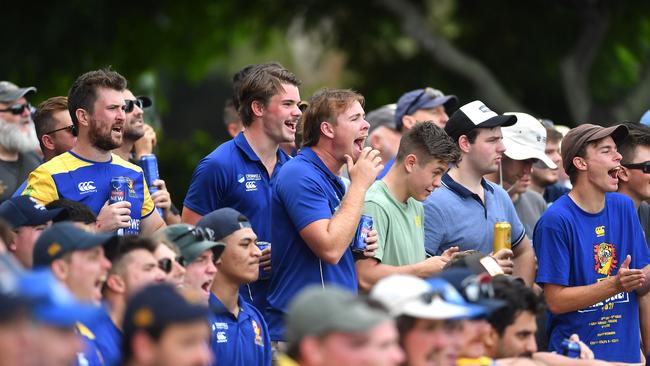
point(377, 193)
point(222, 154)
point(60, 163)
point(117, 160)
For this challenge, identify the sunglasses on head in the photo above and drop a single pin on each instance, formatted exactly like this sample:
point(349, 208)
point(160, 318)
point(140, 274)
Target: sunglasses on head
point(478, 287)
point(166, 264)
point(17, 108)
point(431, 92)
point(129, 105)
point(198, 233)
point(645, 166)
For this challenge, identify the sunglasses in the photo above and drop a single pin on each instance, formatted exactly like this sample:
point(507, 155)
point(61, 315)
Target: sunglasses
point(198, 234)
point(69, 128)
point(166, 264)
point(645, 166)
point(431, 92)
point(17, 109)
point(129, 105)
point(478, 287)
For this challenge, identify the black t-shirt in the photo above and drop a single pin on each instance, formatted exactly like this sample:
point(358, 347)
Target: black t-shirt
point(644, 218)
point(13, 173)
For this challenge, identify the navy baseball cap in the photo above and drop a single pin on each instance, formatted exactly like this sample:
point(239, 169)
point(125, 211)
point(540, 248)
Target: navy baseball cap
point(425, 98)
point(26, 211)
point(159, 305)
point(66, 237)
point(52, 303)
point(475, 115)
point(224, 222)
point(475, 289)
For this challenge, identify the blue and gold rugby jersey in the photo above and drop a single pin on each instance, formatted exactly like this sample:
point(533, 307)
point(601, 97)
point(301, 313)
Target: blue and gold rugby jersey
point(75, 178)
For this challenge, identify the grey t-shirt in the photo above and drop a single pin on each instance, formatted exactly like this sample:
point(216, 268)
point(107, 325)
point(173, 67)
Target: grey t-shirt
point(644, 218)
point(13, 173)
point(530, 206)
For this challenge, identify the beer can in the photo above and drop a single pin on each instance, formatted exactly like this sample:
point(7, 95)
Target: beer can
point(501, 236)
point(119, 192)
point(359, 241)
point(149, 165)
point(264, 275)
point(570, 348)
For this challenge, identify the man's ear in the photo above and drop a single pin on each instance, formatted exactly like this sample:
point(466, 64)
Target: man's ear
point(83, 117)
point(579, 163)
point(257, 107)
point(116, 283)
point(46, 140)
point(624, 174)
point(60, 269)
point(409, 162)
point(407, 122)
point(327, 129)
point(463, 144)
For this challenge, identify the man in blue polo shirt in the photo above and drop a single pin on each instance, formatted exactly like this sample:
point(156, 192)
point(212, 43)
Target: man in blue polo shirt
point(464, 210)
point(418, 105)
point(315, 222)
point(239, 332)
point(592, 255)
point(241, 172)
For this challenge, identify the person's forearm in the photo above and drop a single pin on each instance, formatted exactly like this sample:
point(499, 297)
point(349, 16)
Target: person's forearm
point(566, 299)
point(644, 320)
point(370, 273)
point(524, 262)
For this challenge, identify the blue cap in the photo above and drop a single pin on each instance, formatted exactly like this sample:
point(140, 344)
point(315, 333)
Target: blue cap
point(475, 289)
point(26, 211)
point(52, 303)
point(426, 98)
point(224, 222)
point(65, 237)
point(645, 119)
point(159, 305)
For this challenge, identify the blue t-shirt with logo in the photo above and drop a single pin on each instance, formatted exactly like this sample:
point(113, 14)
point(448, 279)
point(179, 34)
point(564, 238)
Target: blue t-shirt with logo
point(234, 176)
point(306, 191)
point(239, 341)
point(577, 248)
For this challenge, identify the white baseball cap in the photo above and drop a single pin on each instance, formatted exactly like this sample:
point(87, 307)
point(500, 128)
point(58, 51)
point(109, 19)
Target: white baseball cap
point(526, 139)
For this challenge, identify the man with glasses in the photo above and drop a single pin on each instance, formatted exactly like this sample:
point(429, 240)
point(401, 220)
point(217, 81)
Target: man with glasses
point(18, 142)
point(133, 267)
point(239, 332)
point(199, 255)
point(139, 139)
point(54, 127)
point(84, 174)
point(419, 105)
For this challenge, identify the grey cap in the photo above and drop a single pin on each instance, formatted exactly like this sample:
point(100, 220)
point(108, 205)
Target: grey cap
point(317, 311)
point(382, 116)
point(10, 91)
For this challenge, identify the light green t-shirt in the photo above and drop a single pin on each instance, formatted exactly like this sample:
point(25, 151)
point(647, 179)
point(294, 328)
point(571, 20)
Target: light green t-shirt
point(399, 226)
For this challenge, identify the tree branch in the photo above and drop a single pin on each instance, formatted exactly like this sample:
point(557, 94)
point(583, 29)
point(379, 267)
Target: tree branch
point(636, 102)
point(451, 58)
point(575, 67)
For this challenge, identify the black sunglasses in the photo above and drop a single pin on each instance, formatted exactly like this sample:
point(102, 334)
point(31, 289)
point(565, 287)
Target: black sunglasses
point(199, 234)
point(69, 128)
point(431, 92)
point(166, 264)
point(17, 108)
point(645, 166)
point(129, 105)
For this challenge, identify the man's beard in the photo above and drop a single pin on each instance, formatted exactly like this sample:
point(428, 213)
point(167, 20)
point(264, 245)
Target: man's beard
point(102, 142)
point(18, 137)
point(131, 133)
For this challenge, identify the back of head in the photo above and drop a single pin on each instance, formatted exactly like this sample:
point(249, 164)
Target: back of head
point(258, 83)
point(325, 106)
point(83, 93)
point(76, 211)
point(428, 142)
point(44, 117)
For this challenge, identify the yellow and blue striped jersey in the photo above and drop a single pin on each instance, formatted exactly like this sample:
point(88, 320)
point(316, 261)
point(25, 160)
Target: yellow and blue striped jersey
point(75, 178)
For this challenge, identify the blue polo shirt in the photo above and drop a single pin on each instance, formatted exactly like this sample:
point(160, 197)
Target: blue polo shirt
point(238, 341)
point(234, 176)
point(91, 355)
point(454, 216)
point(306, 191)
point(108, 339)
point(579, 248)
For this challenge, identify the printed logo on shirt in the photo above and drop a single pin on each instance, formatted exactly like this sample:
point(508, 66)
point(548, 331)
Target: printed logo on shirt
point(241, 178)
point(418, 221)
point(219, 325)
point(87, 187)
point(129, 183)
point(221, 337)
point(251, 186)
point(605, 258)
point(608, 304)
point(253, 177)
point(600, 231)
point(258, 333)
